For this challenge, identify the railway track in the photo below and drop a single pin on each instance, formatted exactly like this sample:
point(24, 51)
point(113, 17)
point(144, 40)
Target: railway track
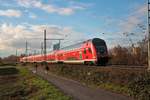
point(124, 66)
point(101, 67)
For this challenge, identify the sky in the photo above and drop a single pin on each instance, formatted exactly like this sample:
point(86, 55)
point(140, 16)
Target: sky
point(72, 20)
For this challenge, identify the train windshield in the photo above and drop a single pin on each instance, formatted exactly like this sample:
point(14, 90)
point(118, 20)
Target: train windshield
point(100, 45)
point(101, 49)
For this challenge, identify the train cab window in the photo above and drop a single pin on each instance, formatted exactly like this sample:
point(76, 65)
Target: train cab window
point(89, 49)
point(85, 51)
point(101, 49)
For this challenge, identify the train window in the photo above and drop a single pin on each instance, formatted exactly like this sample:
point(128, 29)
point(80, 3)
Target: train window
point(101, 49)
point(90, 50)
point(84, 51)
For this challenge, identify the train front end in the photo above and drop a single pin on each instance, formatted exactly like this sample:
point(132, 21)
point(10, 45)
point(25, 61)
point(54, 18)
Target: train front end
point(101, 52)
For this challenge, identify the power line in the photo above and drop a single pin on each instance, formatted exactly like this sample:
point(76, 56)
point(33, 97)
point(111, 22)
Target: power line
point(45, 42)
point(45, 47)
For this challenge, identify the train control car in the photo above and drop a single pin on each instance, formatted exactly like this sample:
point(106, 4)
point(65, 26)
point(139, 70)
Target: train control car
point(93, 51)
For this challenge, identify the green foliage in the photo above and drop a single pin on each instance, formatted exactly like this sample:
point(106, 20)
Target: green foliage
point(2, 64)
point(43, 89)
point(47, 91)
point(8, 71)
point(133, 82)
point(116, 88)
point(140, 87)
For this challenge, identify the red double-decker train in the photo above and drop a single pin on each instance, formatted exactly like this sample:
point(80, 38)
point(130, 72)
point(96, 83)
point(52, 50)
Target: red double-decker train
point(91, 52)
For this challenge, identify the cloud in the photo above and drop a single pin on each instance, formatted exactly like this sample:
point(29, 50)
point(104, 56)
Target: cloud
point(10, 13)
point(135, 18)
point(79, 5)
point(33, 16)
point(131, 23)
point(114, 27)
point(49, 7)
point(65, 11)
point(14, 36)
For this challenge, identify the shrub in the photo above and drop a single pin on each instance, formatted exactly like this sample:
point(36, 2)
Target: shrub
point(8, 71)
point(134, 81)
point(140, 87)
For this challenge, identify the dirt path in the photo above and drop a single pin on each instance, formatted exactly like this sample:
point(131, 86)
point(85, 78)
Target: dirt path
point(79, 91)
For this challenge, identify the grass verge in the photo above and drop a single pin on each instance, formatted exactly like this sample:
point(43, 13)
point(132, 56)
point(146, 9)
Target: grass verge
point(24, 85)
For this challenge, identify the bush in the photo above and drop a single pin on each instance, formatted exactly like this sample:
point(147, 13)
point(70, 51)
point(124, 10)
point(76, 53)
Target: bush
point(8, 71)
point(134, 82)
point(7, 64)
point(128, 55)
point(140, 87)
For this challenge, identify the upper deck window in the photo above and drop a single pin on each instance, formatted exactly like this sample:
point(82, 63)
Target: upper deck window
point(84, 51)
point(72, 47)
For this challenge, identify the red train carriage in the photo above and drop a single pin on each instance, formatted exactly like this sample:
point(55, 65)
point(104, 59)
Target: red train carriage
point(93, 51)
point(51, 57)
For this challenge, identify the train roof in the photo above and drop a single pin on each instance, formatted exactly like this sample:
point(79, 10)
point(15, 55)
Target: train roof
point(76, 45)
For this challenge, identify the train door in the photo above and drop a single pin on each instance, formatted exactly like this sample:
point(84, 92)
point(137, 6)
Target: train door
point(89, 53)
point(80, 55)
point(84, 53)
